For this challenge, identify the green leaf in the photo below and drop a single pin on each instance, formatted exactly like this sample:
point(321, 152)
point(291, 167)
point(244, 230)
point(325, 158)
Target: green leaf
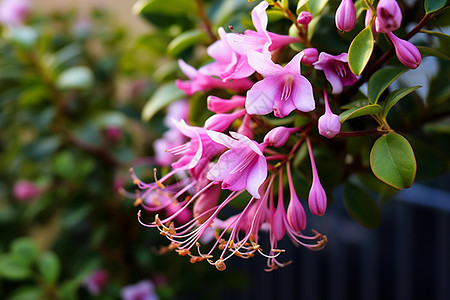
point(49, 267)
point(185, 40)
point(173, 8)
point(392, 160)
point(25, 249)
point(14, 268)
point(76, 78)
point(24, 36)
point(361, 206)
point(434, 5)
point(360, 50)
point(427, 51)
point(27, 293)
point(370, 109)
point(381, 80)
point(317, 6)
point(162, 97)
point(396, 96)
point(302, 5)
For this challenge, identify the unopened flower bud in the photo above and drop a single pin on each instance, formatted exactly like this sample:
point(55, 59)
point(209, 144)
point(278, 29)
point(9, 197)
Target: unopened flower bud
point(296, 214)
point(310, 56)
point(278, 136)
point(219, 105)
point(304, 18)
point(205, 202)
point(245, 128)
point(389, 16)
point(183, 217)
point(329, 124)
point(317, 198)
point(346, 16)
point(407, 53)
point(220, 122)
point(278, 227)
point(25, 191)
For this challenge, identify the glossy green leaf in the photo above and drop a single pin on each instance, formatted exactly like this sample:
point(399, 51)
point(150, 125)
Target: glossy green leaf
point(360, 50)
point(370, 109)
point(396, 96)
point(302, 5)
point(427, 51)
point(361, 206)
point(185, 40)
point(381, 80)
point(392, 160)
point(174, 7)
point(317, 6)
point(434, 5)
point(24, 249)
point(49, 267)
point(14, 268)
point(31, 292)
point(76, 78)
point(163, 96)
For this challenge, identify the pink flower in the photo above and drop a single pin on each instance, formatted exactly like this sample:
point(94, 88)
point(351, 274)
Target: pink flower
point(14, 12)
point(317, 198)
point(219, 105)
point(329, 124)
point(282, 90)
point(205, 202)
point(336, 70)
point(406, 52)
point(113, 133)
point(26, 191)
point(228, 64)
point(389, 16)
point(243, 166)
point(345, 16)
point(311, 55)
point(143, 290)
point(199, 82)
point(257, 40)
point(220, 122)
point(96, 281)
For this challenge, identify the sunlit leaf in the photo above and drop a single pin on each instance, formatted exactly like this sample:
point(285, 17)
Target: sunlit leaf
point(185, 40)
point(370, 109)
point(163, 96)
point(360, 51)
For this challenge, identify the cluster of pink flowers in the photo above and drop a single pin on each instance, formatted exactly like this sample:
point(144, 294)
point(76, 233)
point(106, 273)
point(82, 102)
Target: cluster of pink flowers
point(213, 165)
point(386, 18)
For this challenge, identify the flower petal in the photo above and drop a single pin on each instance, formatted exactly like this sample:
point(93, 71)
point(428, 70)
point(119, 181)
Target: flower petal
point(293, 66)
point(302, 94)
point(261, 96)
point(263, 64)
point(256, 177)
point(188, 70)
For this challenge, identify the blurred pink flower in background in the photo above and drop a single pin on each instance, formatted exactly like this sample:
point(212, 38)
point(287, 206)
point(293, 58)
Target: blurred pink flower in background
point(96, 281)
point(143, 290)
point(14, 12)
point(26, 191)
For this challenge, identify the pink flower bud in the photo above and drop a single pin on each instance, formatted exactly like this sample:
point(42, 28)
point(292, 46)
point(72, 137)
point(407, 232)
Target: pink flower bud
point(368, 17)
point(25, 191)
point(206, 201)
point(183, 217)
point(304, 18)
point(219, 105)
point(295, 213)
point(278, 227)
point(310, 56)
point(317, 198)
point(346, 16)
point(113, 133)
point(406, 52)
point(278, 136)
point(389, 16)
point(220, 122)
point(329, 124)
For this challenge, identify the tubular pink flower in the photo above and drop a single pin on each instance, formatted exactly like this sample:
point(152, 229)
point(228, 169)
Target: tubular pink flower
point(14, 12)
point(407, 53)
point(329, 124)
point(228, 64)
point(304, 18)
point(282, 90)
point(277, 223)
point(389, 16)
point(205, 202)
point(246, 127)
point(143, 290)
point(96, 281)
point(317, 198)
point(220, 122)
point(311, 55)
point(336, 70)
point(26, 191)
point(199, 82)
point(243, 166)
point(219, 105)
point(257, 40)
point(345, 16)
point(278, 136)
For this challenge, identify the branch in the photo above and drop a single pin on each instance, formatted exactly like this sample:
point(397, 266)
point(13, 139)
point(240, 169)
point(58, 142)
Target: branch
point(205, 20)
